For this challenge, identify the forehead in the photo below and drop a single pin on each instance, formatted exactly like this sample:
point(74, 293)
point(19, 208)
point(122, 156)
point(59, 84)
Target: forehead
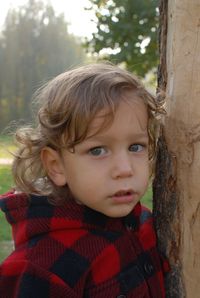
point(130, 114)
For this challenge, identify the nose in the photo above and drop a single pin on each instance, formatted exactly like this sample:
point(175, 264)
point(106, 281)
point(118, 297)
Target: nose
point(122, 166)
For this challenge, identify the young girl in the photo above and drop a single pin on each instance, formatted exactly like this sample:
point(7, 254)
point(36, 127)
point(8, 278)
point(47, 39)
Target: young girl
point(78, 226)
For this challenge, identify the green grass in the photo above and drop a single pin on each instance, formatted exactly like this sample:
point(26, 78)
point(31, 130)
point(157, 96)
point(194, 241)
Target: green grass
point(5, 237)
point(7, 146)
point(6, 248)
point(147, 199)
point(5, 228)
point(5, 185)
point(6, 181)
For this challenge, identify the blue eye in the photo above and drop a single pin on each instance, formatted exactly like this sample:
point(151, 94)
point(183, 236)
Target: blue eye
point(97, 151)
point(136, 148)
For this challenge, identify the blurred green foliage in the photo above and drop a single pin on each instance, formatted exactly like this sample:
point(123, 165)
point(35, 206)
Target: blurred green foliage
point(35, 46)
point(128, 30)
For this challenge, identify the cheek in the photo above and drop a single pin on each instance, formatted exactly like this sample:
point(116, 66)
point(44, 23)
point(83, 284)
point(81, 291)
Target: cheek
point(148, 170)
point(83, 188)
point(145, 172)
point(147, 179)
point(82, 178)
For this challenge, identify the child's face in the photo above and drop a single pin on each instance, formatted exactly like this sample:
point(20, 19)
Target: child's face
point(109, 172)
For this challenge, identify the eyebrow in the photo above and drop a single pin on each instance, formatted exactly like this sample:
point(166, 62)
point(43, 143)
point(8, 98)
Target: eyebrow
point(100, 138)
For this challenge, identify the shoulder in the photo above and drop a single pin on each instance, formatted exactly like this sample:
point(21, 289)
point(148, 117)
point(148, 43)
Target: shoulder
point(142, 215)
point(11, 203)
point(146, 215)
point(146, 231)
point(13, 199)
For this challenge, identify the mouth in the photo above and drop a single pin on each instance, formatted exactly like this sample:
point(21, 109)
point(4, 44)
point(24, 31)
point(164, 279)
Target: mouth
point(124, 196)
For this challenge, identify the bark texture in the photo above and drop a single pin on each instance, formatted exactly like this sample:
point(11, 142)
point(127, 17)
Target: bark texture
point(177, 182)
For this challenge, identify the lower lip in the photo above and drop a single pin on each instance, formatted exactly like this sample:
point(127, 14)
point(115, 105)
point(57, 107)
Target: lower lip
point(124, 199)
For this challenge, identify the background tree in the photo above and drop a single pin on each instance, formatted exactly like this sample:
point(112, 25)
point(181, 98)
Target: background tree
point(177, 187)
point(128, 28)
point(34, 47)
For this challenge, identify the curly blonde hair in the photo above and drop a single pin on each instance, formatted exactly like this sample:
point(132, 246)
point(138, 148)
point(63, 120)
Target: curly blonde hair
point(65, 108)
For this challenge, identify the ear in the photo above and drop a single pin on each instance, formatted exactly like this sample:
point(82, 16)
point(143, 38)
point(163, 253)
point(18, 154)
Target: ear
point(53, 165)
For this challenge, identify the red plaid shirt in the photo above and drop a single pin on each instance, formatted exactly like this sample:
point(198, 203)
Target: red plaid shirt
point(73, 251)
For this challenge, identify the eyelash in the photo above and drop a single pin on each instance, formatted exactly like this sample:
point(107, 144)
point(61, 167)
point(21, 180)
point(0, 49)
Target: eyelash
point(92, 150)
point(142, 147)
point(100, 148)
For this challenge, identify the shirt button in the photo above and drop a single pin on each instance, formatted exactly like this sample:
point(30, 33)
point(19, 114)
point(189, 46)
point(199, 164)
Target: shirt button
point(148, 268)
point(130, 226)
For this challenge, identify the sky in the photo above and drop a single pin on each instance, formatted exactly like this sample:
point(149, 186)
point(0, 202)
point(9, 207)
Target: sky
point(79, 20)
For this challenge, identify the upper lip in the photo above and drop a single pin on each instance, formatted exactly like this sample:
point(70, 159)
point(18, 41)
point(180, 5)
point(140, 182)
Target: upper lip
point(123, 192)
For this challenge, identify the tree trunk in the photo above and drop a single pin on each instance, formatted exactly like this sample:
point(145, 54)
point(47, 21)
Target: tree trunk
point(177, 181)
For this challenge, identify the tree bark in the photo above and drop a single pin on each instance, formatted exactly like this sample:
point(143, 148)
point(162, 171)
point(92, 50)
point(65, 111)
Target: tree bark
point(176, 186)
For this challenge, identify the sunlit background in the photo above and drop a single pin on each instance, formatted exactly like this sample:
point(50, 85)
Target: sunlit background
point(41, 38)
point(75, 11)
